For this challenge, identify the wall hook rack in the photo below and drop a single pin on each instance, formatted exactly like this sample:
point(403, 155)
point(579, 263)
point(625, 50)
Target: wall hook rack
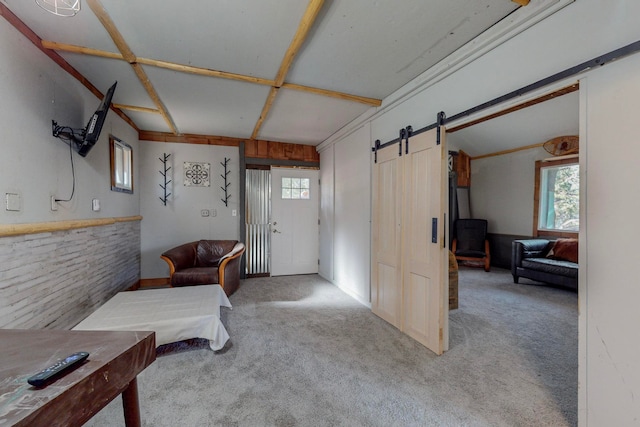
point(226, 184)
point(164, 160)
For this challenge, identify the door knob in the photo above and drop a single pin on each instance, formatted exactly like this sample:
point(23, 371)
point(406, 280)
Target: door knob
point(276, 231)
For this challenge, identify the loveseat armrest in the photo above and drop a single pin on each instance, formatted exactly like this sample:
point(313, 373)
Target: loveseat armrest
point(528, 248)
point(180, 257)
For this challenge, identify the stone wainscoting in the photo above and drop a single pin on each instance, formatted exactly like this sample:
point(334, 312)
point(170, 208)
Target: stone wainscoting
point(55, 279)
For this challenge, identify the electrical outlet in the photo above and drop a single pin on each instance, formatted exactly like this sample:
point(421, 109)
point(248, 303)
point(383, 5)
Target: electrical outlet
point(204, 212)
point(12, 201)
point(54, 204)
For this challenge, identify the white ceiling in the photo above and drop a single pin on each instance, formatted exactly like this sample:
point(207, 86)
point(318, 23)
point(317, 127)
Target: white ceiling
point(367, 48)
point(529, 126)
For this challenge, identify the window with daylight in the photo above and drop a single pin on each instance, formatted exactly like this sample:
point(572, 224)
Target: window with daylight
point(295, 188)
point(121, 166)
point(557, 210)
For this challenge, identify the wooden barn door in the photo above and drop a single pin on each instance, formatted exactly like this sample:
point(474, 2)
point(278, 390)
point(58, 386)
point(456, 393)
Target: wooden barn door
point(386, 275)
point(410, 196)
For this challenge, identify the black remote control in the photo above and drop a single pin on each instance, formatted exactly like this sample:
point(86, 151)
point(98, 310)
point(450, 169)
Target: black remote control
point(42, 377)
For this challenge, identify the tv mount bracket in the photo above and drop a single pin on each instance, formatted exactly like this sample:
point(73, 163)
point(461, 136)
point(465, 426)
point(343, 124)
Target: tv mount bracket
point(65, 132)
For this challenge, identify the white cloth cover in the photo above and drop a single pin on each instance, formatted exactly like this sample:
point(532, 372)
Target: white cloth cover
point(237, 248)
point(174, 314)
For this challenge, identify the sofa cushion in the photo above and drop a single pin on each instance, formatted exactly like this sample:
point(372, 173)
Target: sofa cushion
point(565, 250)
point(195, 276)
point(551, 266)
point(209, 252)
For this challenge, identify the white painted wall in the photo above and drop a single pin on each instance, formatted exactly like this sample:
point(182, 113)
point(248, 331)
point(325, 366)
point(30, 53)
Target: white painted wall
point(352, 215)
point(54, 280)
point(609, 291)
point(502, 190)
point(180, 221)
point(36, 165)
point(610, 356)
point(327, 212)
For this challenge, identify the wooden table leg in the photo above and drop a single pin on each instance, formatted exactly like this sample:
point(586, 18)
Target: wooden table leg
point(130, 405)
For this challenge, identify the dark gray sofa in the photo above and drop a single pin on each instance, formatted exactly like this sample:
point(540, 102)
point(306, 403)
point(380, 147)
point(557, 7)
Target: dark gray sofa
point(529, 260)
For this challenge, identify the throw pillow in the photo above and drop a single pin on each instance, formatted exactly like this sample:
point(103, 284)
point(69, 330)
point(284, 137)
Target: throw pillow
point(565, 250)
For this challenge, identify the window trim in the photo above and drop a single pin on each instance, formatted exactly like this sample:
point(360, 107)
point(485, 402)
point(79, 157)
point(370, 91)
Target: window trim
point(115, 186)
point(573, 160)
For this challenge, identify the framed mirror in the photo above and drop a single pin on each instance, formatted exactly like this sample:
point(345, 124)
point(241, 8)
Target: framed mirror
point(121, 165)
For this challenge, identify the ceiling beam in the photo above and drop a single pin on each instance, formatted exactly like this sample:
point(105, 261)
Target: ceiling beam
point(104, 18)
point(55, 57)
point(81, 49)
point(309, 17)
point(102, 15)
point(157, 63)
point(188, 138)
point(144, 79)
point(307, 21)
point(210, 72)
point(259, 152)
point(265, 111)
point(333, 94)
point(204, 71)
point(136, 108)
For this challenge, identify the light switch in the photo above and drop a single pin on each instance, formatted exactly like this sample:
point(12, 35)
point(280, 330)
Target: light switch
point(234, 212)
point(13, 201)
point(214, 212)
point(95, 205)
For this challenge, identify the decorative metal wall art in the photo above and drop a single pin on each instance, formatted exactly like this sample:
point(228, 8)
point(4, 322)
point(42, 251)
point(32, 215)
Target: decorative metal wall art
point(197, 174)
point(226, 183)
point(165, 185)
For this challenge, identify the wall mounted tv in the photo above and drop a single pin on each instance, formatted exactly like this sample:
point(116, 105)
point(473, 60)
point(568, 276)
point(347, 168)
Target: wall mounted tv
point(82, 140)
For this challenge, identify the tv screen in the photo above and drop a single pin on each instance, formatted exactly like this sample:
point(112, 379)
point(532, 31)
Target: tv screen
point(94, 127)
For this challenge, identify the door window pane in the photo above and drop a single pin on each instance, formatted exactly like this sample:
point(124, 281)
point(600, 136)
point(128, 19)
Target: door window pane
point(295, 188)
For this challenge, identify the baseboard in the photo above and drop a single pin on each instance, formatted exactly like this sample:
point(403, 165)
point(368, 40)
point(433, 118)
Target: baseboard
point(347, 291)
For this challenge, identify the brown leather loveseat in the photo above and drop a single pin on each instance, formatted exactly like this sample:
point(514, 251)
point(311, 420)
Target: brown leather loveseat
point(206, 262)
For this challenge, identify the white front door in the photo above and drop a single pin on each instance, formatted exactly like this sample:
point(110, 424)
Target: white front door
point(295, 196)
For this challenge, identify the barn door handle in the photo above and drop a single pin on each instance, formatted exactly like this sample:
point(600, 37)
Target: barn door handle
point(434, 230)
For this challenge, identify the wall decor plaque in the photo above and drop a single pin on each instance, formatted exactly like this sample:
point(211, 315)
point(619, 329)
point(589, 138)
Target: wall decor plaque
point(197, 174)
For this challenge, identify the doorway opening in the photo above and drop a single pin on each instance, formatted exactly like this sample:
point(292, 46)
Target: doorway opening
point(282, 221)
point(503, 147)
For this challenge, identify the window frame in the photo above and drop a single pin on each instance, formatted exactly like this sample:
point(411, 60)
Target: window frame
point(114, 144)
point(573, 160)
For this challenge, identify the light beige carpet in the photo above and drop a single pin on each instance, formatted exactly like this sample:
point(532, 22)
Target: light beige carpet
point(303, 353)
